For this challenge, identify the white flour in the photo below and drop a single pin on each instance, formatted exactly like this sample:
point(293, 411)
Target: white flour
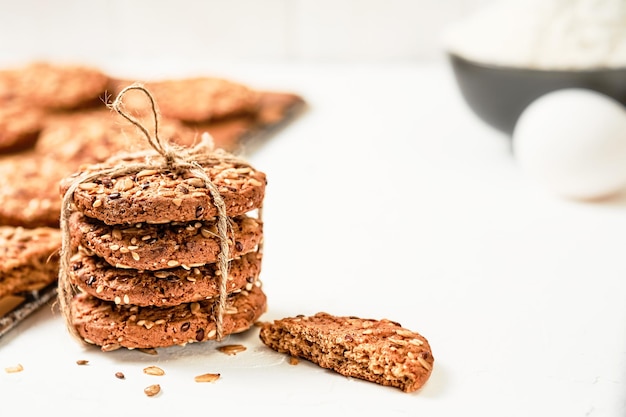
point(544, 34)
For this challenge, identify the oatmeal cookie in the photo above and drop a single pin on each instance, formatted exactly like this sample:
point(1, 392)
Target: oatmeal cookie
point(160, 288)
point(162, 195)
point(194, 99)
point(160, 246)
point(55, 86)
point(112, 326)
point(380, 351)
point(93, 136)
point(29, 194)
point(20, 126)
point(29, 258)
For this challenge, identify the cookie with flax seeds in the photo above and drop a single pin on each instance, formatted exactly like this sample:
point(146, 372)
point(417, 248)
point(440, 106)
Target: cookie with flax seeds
point(112, 326)
point(164, 288)
point(94, 135)
point(20, 126)
point(196, 99)
point(29, 258)
point(165, 194)
point(29, 194)
point(56, 86)
point(379, 351)
point(161, 246)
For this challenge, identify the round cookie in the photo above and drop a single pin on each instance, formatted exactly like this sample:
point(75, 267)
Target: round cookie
point(196, 99)
point(161, 246)
point(114, 326)
point(96, 277)
point(162, 195)
point(29, 258)
point(29, 190)
point(93, 136)
point(20, 126)
point(60, 86)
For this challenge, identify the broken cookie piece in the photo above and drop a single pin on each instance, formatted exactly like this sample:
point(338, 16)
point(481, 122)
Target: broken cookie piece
point(379, 351)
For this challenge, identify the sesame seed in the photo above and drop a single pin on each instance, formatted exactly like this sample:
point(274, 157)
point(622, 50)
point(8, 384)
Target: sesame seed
point(423, 362)
point(87, 186)
point(145, 173)
point(232, 349)
point(153, 370)
point(207, 377)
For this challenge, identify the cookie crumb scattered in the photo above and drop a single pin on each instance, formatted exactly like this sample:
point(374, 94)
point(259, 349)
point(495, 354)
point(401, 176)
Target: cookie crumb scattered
point(82, 362)
point(293, 360)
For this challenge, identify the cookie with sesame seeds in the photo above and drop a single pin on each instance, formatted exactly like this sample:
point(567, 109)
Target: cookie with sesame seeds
point(163, 288)
point(60, 86)
point(29, 258)
point(379, 351)
point(112, 326)
point(94, 135)
point(165, 194)
point(20, 126)
point(160, 246)
point(29, 190)
point(195, 99)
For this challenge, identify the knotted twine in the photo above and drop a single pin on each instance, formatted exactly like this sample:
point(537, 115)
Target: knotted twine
point(174, 159)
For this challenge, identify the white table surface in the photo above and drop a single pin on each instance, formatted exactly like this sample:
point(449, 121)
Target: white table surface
point(387, 198)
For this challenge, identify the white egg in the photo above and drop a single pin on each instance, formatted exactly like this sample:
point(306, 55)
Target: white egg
point(573, 142)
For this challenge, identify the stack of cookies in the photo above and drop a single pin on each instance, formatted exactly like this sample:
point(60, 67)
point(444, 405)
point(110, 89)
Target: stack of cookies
point(53, 119)
point(146, 245)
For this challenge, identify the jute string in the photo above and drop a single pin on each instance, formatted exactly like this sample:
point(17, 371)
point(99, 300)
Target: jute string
point(174, 159)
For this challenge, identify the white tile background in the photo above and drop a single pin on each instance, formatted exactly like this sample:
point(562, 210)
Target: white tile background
point(200, 32)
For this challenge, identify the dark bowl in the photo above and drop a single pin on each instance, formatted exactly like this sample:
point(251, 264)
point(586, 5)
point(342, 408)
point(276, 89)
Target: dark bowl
point(498, 94)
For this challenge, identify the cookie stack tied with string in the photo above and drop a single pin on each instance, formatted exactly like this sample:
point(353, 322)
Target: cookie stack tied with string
point(163, 247)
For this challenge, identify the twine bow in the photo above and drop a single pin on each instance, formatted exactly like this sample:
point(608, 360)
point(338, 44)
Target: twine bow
point(176, 159)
